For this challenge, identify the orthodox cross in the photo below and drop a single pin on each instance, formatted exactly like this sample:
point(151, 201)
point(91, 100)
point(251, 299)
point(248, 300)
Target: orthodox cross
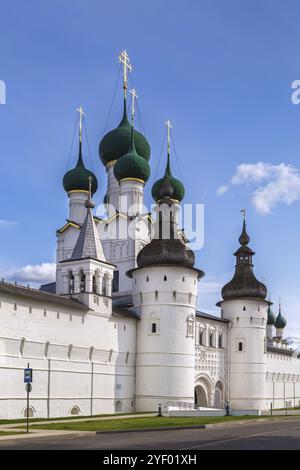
point(81, 114)
point(169, 127)
point(243, 211)
point(127, 67)
point(134, 96)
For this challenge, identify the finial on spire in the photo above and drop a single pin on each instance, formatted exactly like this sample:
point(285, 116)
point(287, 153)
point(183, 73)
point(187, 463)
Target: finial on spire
point(169, 127)
point(127, 67)
point(81, 114)
point(244, 237)
point(89, 203)
point(134, 96)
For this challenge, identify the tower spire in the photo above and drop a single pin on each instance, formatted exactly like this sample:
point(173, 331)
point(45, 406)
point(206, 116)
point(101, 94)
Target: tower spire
point(127, 67)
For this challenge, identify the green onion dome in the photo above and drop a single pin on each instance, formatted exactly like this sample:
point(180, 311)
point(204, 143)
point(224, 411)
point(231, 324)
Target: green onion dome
point(280, 322)
point(115, 143)
point(178, 188)
point(132, 165)
point(77, 179)
point(271, 317)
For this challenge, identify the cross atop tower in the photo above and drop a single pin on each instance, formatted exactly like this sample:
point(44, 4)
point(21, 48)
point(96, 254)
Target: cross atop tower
point(127, 67)
point(134, 96)
point(81, 114)
point(169, 127)
point(243, 211)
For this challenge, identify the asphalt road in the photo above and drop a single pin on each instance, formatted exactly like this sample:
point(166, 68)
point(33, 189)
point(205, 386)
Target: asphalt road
point(275, 435)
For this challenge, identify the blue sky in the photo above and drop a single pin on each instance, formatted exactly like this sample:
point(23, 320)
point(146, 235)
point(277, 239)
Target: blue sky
point(221, 71)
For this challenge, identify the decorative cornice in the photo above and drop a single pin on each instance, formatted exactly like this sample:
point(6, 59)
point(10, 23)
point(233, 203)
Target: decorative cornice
point(78, 191)
point(132, 179)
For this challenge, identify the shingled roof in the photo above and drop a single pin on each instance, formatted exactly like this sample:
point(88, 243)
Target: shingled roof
point(40, 296)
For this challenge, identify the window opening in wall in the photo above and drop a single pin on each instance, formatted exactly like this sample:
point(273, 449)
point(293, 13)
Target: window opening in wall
point(220, 341)
point(115, 283)
point(30, 412)
point(82, 282)
point(75, 410)
point(240, 346)
point(165, 277)
point(201, 337)
point(71, 283)
point(94, 287)
point(153, 327)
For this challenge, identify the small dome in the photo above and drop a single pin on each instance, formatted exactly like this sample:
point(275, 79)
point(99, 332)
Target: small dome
point(115, 143)
point(78, 177)
point(244, 283)
point(271, 317)
point(132, 165)
point(280, 322)
point(177, 186)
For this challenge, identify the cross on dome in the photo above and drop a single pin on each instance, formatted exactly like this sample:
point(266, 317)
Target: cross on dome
point(134, 96)
point(169, 127)
point(127, 67)
point(81, 114)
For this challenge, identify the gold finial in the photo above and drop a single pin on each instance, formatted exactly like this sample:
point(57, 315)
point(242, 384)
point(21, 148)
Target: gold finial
point(81, 114)
point(89, 202)
point(134, 96)
point(169, 127)
point(127, 67)
point(243, 211)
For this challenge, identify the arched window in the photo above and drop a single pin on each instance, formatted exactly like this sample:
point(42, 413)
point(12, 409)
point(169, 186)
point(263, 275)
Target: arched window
point(201, 337)
point(82, 282)
point(115, 286)
point(190, 321)
point(165, 277)
point(154, 324)
point(220, 341)
point(94, 286)
point(31, 411)
point(71, 283)
point(75, 411)
point(212, 339)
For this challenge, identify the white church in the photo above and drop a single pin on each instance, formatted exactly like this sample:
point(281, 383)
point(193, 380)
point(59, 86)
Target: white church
point(119, 330)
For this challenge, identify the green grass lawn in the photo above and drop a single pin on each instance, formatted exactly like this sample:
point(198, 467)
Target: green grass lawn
point(34, 420)
point(140, 423)
point(10, 433)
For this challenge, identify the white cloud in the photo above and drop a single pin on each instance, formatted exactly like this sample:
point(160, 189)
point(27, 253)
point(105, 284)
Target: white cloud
point(278, 184)
point(7, 223)
point(222, 190)
point(35, 273)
